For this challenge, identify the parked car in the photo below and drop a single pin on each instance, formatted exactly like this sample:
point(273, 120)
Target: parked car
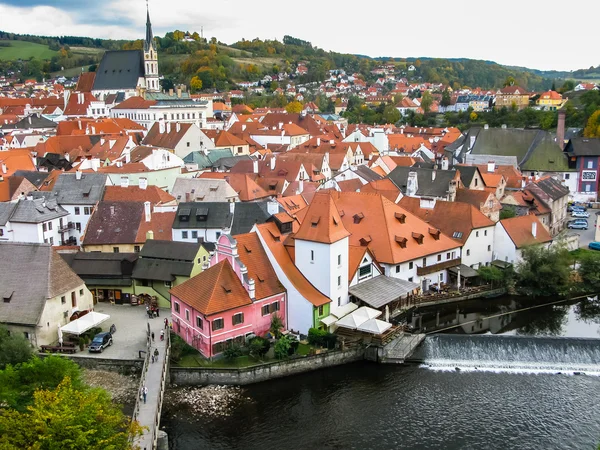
point(594, 245)
point(576, 207)
point(100, 342)
point(583, 214)
point(579, 224)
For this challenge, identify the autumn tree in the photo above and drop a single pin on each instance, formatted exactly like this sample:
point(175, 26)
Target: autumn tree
point(592, 129)
point(446, 98)
point(391, 114)
point(426, 101)
point(68, 417)
point(195, 84)
point(294, 107)
point(510, 81)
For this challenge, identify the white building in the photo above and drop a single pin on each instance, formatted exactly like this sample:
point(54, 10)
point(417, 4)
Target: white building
point(512, 235)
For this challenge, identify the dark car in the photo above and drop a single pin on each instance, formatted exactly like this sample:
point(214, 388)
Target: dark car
point(100, 342)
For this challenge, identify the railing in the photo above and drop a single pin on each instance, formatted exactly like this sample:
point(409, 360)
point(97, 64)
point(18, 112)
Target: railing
point(439, 296)
point(426, 270)
point(66, 227)
point(142, 383)
point(163, 380)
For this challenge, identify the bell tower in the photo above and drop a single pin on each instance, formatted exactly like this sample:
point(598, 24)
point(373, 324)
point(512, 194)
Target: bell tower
point(150, 57)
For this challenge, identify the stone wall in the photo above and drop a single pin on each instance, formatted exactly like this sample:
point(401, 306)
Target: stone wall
point(123, 366)
point(264, 372)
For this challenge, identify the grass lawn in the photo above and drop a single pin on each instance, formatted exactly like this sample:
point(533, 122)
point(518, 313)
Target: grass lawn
point(25, 50)
point(197, 361)
point(303, 349)
point(581, 252)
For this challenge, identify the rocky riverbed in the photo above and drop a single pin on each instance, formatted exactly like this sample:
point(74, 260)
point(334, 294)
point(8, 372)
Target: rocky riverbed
point(207, 401)
point(122, 388)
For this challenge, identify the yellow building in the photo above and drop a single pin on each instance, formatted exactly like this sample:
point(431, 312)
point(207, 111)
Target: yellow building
point(550, 100)
point(512, 95)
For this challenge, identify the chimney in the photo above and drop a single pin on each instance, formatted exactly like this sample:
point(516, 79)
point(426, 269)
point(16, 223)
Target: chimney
point(255, 166)
point(433, 174)
point(445, 163)
point(77, 173)
point(112, 210)
point(280, 125)
point(143, 183)
point(272, 208)
point(243, 127)
point(560, 129)
point(231, 207)
point(272, 162)
point(147, 211)
point(318, 142)
point(486, 127)
point(251, 289)
point(178, 127)
point(4, 168)
point(412, 185)
point(168, 127)
point(29, 197)
point(452, 191)
point(301, 186)
point(124, 181)
point(149, 235)
point(534, 229)
point(178, 91)
point(171, 92)
point(491, 166)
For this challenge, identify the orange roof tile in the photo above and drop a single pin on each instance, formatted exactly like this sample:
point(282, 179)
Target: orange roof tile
point(491, 180)
point(17, 159)
point(226, 139)
point(214, 290)
point(322, 221)
point(293, 204)
point(254, 257)
point(353, 185)
point(161, 224)
point(385, 187)
point(519, 230)
point(272, 237)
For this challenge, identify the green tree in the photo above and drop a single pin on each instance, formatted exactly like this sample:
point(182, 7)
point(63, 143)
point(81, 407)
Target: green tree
point(294, 107)
point(491, 274)
point(195, 84)
point(567, 86)
point(510, 81)
point(543, 271)
point(592, 128)
point(68, 417)
point(426, 101)
point(259, 347)
point(391, 114)
point(446, 98)
point(14, 348)
point(276, 325)
point(589, 271)
point(507, 212)
point(282, 347)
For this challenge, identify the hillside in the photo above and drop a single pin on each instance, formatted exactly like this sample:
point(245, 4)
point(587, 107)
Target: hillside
point(216, 65)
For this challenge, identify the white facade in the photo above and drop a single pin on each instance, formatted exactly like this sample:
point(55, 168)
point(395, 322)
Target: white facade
point(187, 112)
point(79, 215)
point(193, 234)
point(478, 250)
point(40, 233)
point(367, 262)
point(326, 267)
point(504, 247)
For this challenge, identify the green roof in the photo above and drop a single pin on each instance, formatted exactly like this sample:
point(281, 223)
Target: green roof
point(205, 161)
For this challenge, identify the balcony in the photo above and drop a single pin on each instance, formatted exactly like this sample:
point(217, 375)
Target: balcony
point(437, 267)
point(66, 227)
point(70, 241)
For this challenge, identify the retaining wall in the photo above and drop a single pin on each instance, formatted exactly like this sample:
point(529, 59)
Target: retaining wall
point(256, 374)
point(123, 366)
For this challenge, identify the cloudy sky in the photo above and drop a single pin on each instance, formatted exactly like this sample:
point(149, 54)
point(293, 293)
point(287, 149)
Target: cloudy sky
point(527, 33)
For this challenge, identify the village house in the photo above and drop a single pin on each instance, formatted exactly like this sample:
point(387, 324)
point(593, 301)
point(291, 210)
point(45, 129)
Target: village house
point(512, 95)
point(584, 158)
point(230, 302)
point(51, 295)
point(181, 138)
point(515, 234)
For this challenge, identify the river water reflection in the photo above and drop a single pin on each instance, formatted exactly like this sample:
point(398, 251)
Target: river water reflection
point(370, 406)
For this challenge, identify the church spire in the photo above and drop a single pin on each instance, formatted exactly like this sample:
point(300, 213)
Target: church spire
point(149, 36)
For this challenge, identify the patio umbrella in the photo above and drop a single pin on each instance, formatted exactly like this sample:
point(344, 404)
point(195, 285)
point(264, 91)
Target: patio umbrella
point(375, 326)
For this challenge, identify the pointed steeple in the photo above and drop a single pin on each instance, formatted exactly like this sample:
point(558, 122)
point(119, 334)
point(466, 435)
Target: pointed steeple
point(149, 36)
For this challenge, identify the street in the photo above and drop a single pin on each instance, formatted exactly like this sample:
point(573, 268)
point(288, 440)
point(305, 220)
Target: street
point(586, 236)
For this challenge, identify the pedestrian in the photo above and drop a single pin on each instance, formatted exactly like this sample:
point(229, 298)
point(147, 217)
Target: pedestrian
point(145, 392)
point(166, 323)
point(153, 336)
point(157, 312)
point(156, 354)
point(162, 335)
point(152, 358)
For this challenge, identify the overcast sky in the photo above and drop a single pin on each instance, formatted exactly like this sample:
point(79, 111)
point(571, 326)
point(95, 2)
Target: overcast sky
point(530, 33)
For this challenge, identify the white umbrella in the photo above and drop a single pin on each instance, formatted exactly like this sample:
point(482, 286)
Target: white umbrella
point(81, 325)
point(375, 326)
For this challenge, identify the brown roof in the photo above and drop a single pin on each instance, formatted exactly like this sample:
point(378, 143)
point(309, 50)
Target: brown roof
point(167, 139)
point(226, 139)
point(152, 194)
point(86, 82)
point(451, 218)
point(254, 257)
point(242, 183)
point(519, 229)
point(293, 204)
point(214, 290)
point(322, 222)
point(78, 104)
point(473, 197)
point(385, 187)
point(274, 240)
point(352, 185)
point(135, 103)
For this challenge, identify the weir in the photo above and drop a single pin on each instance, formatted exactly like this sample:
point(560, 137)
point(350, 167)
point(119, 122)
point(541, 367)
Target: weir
point(509, 353)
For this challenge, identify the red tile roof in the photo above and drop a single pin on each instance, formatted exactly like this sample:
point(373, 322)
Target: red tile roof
point(152, 194)
point(214, 290)
point(86, 82)
point(519, 229)
point(322, 222)
point(167, 139)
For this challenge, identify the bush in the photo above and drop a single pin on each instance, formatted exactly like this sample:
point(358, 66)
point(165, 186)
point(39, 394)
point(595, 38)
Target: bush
point(259, 347)
point(321, 338)
point(180, 348)
point(283, 347)
point(233, 351)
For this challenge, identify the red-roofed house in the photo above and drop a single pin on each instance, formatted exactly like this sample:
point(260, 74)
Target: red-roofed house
point(512, 235)
point(230, 301)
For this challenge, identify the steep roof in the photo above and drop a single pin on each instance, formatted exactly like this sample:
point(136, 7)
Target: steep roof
point(202, 190)
point(519, 230)
point(48, 276)
point(384, 187)
point(473, 197)
point(214, 290)
point(274, 240)
point(254, 257)
point(454, 219)
point(213, 215)
point(322, 222)
point(86, 82)
point(247, 214)
point(119, 70)
point(37, 210)
point(226, 139)
point(18, 159)
point(427, 186)
point(293, 204)
point(88, 190)
point(167, 139)
point(207, 160)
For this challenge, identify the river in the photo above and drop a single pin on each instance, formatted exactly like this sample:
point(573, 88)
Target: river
point(370, 406)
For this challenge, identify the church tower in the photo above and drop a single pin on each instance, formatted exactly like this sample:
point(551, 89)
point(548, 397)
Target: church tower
point(150, 58)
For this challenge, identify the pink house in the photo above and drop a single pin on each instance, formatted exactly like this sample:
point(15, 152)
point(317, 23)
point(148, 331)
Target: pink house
point(230, 301)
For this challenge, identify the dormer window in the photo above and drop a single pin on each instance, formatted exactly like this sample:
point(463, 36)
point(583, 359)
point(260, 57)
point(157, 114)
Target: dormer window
point(435, 233)
point(358, 217)
point(184, 214)
point(201, 214)
point(314, 221)
point(401, 241)
point(400, 217)
point(418, 237)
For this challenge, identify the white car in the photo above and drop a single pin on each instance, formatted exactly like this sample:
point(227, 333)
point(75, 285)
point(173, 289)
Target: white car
point(582, 214)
